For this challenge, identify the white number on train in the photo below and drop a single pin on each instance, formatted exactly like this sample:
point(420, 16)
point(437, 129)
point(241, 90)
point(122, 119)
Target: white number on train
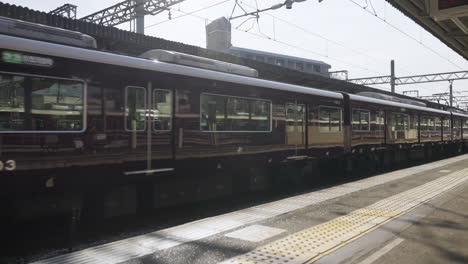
point(9, 165)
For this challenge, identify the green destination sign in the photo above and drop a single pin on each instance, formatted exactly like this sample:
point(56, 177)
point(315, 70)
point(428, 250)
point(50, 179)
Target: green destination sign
point(20, 58)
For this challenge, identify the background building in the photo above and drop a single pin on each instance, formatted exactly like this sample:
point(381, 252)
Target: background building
point(218, 38)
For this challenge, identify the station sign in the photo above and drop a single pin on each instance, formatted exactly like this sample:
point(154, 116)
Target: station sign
point(25, 59)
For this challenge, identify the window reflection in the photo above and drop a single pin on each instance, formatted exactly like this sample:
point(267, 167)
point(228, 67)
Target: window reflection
point(162, 110)
point(228, 113)
point(36, 103)
point(330, 119)
point(360, 120)
point(135, 108)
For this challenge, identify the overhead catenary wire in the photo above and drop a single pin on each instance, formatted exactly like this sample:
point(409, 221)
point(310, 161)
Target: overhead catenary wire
point(384, 20)
point(189, 13)
point(377, 60)
point(286, 44)
point(404, 33)
point(283, 42)
point(337, 43)
point(274, 38)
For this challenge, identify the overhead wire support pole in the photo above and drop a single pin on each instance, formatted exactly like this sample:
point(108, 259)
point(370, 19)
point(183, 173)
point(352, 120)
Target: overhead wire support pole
point(424, 78)
point(287, 3)
point(451, 92)
point(129, 10)
point(392, 76)
point(140, 16)
point(255, 13)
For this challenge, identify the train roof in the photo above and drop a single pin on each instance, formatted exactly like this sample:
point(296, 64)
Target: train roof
point(52, 49)
point(37, 31)
point(366, 99)
point(459, 114)
point(57, 50)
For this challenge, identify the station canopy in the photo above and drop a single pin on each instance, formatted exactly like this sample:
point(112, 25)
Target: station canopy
point(445, 19)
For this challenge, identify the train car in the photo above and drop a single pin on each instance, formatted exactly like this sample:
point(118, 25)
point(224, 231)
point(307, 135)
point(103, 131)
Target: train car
point(113, 134)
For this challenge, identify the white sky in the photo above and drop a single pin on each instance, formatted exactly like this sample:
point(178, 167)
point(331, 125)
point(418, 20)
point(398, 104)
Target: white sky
point(357, 41)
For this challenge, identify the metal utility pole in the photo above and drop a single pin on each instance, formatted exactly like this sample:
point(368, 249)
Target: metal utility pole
point(287, 3)
point(140, 16)
point(451, 92)
point(130, 10)
point(392, 76)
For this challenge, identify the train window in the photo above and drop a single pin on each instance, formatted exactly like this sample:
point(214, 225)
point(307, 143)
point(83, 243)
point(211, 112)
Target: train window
point(457, 125)
point(380, 120)
point(330, 119)
point(229, 113)
point(399, 122)
point(430, 124)
point(31, 103)
point(437, 122)
point(260, 58)
point(300, 66)
point(135, 108)
point(361, 120)
point(162, 110)
point(413, 122)
point(295, 112)
point(446, 124)
point(424, 123)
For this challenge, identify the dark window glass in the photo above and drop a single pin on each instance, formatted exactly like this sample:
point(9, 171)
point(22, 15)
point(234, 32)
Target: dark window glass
point(424, 123)
point(400, 122)
point(360, 120)
point(329, 119)
point(380, 120)
point(40, 104)
point(228, 113)
point(135, 108)
point(428, 123)
point(414, 122)
point(317, 68)
point(446, 124)
point(438, 124)
point(162, 109)
point(300, 66)
point(295, 112)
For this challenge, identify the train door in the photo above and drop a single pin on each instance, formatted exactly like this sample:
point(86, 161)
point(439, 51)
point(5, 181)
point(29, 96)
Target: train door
point(296, 126)
point(148, 123)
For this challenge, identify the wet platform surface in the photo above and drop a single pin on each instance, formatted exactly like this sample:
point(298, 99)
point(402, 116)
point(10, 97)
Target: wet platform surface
point(414, 215)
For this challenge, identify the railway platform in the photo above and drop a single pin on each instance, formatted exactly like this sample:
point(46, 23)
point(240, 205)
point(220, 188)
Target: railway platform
point(413, 215)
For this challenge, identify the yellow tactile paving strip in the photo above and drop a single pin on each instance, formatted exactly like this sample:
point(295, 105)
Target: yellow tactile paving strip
point(309, 245)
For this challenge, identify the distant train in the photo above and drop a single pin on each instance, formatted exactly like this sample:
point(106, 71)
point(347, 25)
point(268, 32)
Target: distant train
point(113, 134)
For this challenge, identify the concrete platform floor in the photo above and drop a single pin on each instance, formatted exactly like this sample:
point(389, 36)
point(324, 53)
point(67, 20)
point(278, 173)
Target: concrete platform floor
point(414, 215)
